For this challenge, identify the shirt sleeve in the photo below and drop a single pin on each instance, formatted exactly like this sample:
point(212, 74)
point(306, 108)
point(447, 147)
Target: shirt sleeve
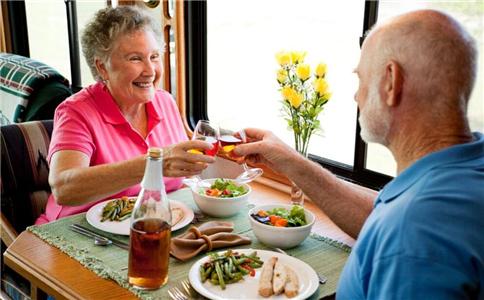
point(404, 277)
point(71, 131)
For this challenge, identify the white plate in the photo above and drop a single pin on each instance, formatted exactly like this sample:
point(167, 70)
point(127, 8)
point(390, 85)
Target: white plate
point(94, 214)
point(249, 287)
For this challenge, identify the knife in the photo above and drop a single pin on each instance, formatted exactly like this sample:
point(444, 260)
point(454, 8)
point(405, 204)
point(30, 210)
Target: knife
point(83, 230)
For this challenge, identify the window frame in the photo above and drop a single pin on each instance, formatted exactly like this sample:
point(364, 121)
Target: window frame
point(196, 93)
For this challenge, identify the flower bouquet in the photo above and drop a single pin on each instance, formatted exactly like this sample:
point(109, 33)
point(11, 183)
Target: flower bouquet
point(303, 98)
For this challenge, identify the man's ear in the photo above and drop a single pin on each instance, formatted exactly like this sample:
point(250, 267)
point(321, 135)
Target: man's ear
point(101, 69)
point(393, 83)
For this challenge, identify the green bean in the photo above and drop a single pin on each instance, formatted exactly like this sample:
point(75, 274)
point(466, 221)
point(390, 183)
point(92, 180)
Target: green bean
point(235, 279)
point(203, 275)
point(234, 261)
point(220, 275)
point(208, 270)
point(231, 265)
point(214, 276)
point(226, 268)
point(254, 265)
point(256, 260)
point(124, 217)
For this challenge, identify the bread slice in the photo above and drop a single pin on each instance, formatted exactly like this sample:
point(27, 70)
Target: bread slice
point(265, 281)
point(176, 215)
point(279, 278)
point(291, 289)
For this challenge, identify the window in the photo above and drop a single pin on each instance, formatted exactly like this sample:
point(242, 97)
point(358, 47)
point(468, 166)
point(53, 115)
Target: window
point(47, 34)
point(242, 40)
point(231, 69)
point(85, 11)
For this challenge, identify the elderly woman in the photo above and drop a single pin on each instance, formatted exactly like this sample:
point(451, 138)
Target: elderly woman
point(101, 134)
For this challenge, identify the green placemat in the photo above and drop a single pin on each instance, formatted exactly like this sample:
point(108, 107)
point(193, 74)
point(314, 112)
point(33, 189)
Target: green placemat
point(326, 256)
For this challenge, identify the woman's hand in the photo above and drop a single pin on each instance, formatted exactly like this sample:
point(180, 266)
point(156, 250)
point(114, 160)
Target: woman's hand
point(178, 162)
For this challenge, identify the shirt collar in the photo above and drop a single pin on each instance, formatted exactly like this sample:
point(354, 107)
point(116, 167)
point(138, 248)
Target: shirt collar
point(455, 154)
point(110, 111)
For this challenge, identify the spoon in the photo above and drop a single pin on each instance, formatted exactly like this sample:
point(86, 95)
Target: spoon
point(98, 241)
point(102, 242)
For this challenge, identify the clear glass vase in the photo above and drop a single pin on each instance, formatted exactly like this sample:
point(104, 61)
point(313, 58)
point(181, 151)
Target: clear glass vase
point(297, 195)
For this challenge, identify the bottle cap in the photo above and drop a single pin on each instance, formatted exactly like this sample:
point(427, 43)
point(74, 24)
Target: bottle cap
point(154, 152)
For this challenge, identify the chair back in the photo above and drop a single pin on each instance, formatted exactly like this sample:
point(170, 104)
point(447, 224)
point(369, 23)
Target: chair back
point(33, 88)
point(25, 171)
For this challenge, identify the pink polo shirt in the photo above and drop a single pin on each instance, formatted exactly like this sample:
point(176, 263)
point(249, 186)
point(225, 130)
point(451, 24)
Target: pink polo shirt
point(91, 122)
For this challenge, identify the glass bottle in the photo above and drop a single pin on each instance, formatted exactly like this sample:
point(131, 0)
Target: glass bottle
point(150, 232)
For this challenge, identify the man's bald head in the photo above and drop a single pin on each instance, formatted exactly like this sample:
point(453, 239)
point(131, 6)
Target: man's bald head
point(438, 57)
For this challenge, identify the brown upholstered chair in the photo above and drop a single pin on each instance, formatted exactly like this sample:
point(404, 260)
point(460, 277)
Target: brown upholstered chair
point(24, 178)
point(24, 186)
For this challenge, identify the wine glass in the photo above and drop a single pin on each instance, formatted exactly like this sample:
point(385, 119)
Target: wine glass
point(227, 144)
point(204, 131)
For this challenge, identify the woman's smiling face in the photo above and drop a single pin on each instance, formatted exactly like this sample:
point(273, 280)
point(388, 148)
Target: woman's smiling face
point(134, 70)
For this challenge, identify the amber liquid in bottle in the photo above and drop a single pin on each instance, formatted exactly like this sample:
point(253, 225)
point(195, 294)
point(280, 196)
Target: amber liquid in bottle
point(149, 256)
point(150, 232)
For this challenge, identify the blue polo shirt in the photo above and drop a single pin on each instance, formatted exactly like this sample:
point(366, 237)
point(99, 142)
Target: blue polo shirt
point(425, 236)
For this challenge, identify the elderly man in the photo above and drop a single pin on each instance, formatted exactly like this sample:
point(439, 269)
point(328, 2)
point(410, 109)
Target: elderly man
point(422, 236)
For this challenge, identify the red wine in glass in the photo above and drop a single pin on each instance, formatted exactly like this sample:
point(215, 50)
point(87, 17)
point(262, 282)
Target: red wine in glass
point(214, 143)
point(208, 132)
point(228, 143)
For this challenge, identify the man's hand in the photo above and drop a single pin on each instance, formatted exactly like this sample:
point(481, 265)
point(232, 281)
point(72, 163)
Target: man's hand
point(264, 147)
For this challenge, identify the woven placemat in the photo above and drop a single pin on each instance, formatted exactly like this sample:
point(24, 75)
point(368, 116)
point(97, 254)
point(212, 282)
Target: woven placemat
point(326, 256)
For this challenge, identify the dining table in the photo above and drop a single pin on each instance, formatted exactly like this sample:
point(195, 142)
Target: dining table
point(61, 263)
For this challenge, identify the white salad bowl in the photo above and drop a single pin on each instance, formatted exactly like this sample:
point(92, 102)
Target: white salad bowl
point(217, 206)
point(280, 237)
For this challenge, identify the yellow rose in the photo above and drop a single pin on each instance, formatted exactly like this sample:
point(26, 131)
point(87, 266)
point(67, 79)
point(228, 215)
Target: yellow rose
point(287, 91)
point(283, 58)
point(298, 57)
point(321, 70)
point(289, 94)
point(296, 99)
point(320, 85)
point(303, 71)
point(281, 76)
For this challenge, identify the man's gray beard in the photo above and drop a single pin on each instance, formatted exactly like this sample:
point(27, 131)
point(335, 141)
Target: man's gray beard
point(374, 119)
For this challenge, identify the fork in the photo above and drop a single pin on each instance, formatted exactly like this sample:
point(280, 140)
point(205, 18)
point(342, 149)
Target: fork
point(176, 294)
point(188, 288)
point(192, 293)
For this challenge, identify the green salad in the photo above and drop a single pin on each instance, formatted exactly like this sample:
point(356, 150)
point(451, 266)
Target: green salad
point(281, 217)
point(224, 188)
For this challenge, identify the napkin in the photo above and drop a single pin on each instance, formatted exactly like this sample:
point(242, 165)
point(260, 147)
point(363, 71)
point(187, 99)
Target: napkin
point(208, 236)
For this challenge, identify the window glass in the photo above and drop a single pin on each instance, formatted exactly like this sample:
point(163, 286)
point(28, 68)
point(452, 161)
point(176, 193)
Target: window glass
point(242, 40)
point(47, 31)
point(85, 12)
point(172, 50)
point(470, 14)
